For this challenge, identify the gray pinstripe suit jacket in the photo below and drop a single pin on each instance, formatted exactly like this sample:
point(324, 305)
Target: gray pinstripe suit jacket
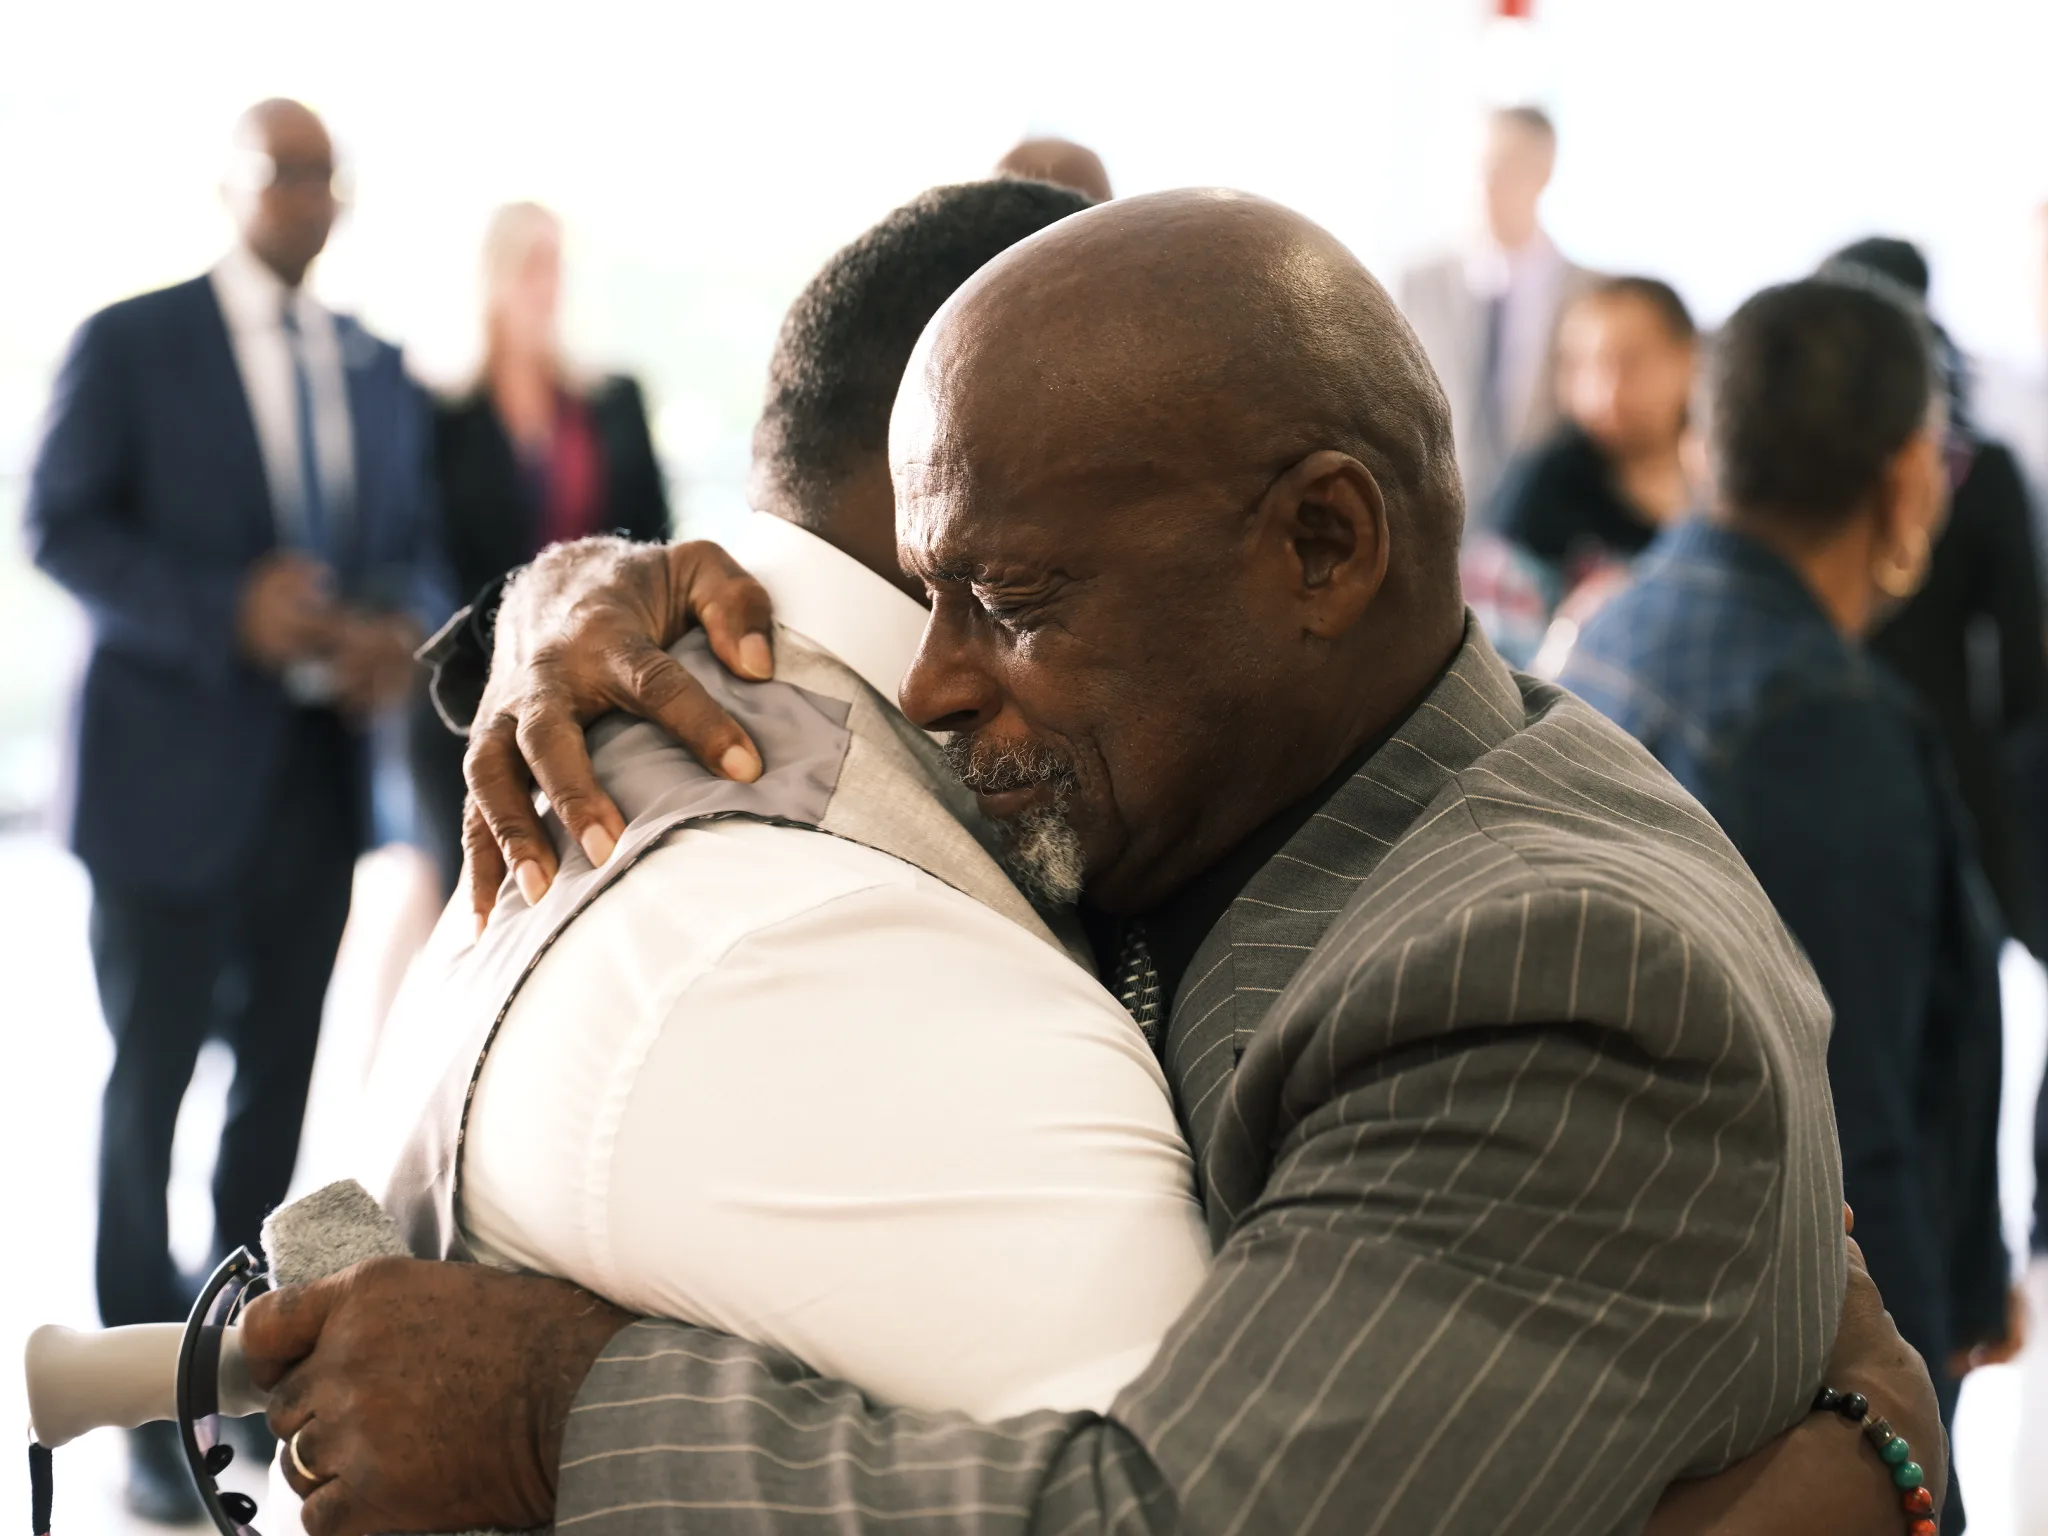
point(1508, 1091)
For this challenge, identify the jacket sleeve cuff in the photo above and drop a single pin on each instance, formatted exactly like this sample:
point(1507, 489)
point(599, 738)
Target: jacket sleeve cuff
point(458, 656)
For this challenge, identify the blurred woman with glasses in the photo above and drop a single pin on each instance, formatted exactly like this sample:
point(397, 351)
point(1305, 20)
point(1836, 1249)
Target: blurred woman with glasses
point(533, 454)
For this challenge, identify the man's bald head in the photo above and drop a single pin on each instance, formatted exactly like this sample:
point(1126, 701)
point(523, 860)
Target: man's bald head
point(276, 115)
point(1061, 162)
point(1201, 403)
point(1226, 334)
point(281, 186)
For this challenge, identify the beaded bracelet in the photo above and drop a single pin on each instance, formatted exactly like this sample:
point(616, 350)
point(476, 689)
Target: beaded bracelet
point(1893, 1451)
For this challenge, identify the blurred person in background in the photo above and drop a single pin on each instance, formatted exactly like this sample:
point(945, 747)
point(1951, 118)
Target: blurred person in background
point(237, 485)
point(1061, 162)
point(1571, 513)
point(1970, 641)
point(2032, 1491)
point(1487, 315)
point(1614, 472)
point(1738, 657)
point(533, 454)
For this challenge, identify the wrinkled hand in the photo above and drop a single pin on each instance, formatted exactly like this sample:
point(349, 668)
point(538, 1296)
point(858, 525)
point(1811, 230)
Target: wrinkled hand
point(372, 654)
point(432, 1397)
point(1873, 1358)
point(287, 611)
point(583, 630)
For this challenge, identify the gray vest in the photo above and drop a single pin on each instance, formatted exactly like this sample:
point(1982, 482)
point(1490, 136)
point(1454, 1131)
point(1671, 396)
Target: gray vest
point(839, 759)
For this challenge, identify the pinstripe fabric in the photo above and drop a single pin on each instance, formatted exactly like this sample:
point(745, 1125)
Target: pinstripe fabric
point(1508, 1090)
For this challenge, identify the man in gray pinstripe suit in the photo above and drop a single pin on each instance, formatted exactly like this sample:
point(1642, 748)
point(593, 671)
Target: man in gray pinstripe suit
point(1505, 1083)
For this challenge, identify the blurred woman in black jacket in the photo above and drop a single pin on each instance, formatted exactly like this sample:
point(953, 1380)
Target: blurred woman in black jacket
point(1970, 642)
point(1615, 472)
point(531, 455)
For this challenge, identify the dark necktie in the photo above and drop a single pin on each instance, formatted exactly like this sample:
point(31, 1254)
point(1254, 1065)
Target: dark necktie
point(312, 496)
point(1137, 983)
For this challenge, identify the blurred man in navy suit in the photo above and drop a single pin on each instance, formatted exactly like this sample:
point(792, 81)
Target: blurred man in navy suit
point(235, 483)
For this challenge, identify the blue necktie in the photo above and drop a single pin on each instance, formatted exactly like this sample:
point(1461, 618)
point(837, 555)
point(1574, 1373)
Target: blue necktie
point(312, 499)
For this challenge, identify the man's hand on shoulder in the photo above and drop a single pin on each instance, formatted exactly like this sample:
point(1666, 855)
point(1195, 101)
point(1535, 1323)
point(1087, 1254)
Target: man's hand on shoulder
point(583, 630)
point(425, 1396)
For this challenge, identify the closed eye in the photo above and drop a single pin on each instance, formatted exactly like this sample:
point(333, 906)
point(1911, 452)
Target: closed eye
point(1011, 611)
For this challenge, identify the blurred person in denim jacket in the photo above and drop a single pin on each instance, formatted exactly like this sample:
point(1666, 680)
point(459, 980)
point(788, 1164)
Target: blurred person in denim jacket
point(1737, 657)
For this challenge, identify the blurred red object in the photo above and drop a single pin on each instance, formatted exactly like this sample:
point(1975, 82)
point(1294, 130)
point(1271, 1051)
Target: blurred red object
point(1517, 10)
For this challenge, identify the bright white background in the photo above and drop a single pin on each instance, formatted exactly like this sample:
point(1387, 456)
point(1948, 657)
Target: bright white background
point(707, 158)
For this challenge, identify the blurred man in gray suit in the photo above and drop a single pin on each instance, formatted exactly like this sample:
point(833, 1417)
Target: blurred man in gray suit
point(1487, 314)
point(1505, 1084)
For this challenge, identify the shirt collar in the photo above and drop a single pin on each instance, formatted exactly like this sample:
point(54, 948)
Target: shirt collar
point(1491, 269)
point(1707, 550)
point(830, 598)
point(251, 295)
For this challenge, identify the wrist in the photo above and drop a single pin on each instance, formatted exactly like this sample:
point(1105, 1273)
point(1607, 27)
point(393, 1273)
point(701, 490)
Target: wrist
point(1905, 1475)
point(567, 1359)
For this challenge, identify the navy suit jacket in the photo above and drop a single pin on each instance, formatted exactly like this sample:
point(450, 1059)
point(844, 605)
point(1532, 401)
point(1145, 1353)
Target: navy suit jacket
point(148, 502)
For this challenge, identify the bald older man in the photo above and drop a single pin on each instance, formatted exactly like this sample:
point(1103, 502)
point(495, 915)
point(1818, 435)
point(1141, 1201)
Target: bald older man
point(235, 485)
point(1506, 1085)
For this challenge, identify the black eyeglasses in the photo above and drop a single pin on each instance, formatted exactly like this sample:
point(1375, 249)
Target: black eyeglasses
point(302, 175)
point(239, 1279)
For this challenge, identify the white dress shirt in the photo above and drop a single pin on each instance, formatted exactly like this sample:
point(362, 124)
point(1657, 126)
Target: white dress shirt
point(795, 1089)
point(252, 301)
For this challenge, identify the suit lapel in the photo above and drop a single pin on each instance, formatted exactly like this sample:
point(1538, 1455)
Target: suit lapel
point(216, 375)
point(1254, 953)
point(366, 441)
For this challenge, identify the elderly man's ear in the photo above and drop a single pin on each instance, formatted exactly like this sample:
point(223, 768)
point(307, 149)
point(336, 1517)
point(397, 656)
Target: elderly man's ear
point(1328, 511)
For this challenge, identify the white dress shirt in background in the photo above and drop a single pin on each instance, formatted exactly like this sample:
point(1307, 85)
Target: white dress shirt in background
point(252, 301)
point(798, 1090)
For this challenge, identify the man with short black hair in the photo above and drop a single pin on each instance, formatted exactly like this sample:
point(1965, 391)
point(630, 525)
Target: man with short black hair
point(821, 442)
point(729, 1076)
